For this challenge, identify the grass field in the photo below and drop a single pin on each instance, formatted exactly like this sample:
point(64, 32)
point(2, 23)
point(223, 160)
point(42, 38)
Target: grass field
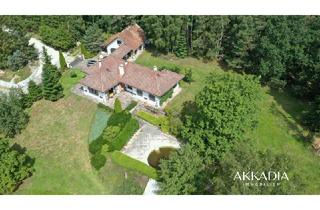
point(57, 137)
point(279, 126)
point(20, 74)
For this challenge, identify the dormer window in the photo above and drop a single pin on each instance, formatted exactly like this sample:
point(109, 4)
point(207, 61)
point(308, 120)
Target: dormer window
point(119, 42)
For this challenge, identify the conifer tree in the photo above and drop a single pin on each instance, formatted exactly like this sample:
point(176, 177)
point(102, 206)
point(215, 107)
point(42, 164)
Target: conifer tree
point(52, 89)
point(35, 91)
point(117, 106)
point(181, 47)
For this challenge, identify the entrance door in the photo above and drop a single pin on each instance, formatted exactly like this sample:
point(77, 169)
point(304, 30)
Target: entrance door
point(111, 93)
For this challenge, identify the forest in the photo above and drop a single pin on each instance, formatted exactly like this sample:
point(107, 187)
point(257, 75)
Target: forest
point(282, 52)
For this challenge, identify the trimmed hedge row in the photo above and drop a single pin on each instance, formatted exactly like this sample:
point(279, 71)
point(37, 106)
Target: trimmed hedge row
point(166, 96)
point(98, 160)
point(130, 163)
point(160, 121)
point(125, 134)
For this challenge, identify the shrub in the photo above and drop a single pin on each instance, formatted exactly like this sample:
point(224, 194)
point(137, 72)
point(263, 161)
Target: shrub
point(73, 74)
point(126, 133)
point(131, 105)
point(130, 163)
point(166, 96)
point(187, 75)
point(109, 133)
point(62, 60)
point(96, 145)
point(117, 106)
point(119, 119)
point(98, 161)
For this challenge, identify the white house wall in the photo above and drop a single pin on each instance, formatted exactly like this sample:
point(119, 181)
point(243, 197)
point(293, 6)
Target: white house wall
point(114, 45)
point(102, 97)
point(144, 97)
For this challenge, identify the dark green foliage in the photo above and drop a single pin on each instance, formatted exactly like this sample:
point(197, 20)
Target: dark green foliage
point(124, 136)
point(119, 119)
point(312, 116)
point(73, 74)
point(98, 161)
point(166, 96)
point(85, 52)
point(181, 172)
point(15, 166)
point(181, 49)
point(226, 108)
point(246, 158)
point(96, 145)
point(52, 89)
point(35, 91)
point(13, 118)
point(62, 60)
point(58, 37)
point(187, 75)
point(92, 39)
point(15, 51)
point(133, 164)
point(117, 106)
point(131, 105)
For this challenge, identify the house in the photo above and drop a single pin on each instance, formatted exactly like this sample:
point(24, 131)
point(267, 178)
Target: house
point(114, 72)
point(127, 44)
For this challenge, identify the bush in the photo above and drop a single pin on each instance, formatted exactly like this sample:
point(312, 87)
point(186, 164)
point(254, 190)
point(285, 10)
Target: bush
point(166, 96)
point(73, 74)
point(117, 106)
point(187, 75)
point(130, 163)
point(119, 119)
point(98, 161)
point(96, 145)
point(109, 133)
point(131, 105)
point(62, 60)
point(125, 134)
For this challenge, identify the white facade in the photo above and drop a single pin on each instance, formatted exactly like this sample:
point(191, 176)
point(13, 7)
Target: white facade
point(145, 96)
point(115, 44)
point(100, 96)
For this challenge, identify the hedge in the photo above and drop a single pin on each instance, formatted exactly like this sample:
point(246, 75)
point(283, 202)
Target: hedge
point(131, 105)
point(166, 96)
point(125, 134)
point(119, 119)
point(130, 163)
point(160, 121)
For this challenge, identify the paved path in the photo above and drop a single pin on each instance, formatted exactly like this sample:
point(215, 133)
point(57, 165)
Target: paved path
point(36, 74)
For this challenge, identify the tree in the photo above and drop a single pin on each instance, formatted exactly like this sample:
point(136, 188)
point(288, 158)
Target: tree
point(246, 158)
point(12, 115)
point(92, 39)
point(117, 106)
point(181, 50)
point(188, 75)
point(15, 166)
point(52, 89)
point(312, 116)
point(17, 61)
point(226, 108)
point(34, 92)
point(62, 60)
point(180, 173)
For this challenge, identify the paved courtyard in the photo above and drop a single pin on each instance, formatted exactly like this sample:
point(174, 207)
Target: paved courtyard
point(147, 139)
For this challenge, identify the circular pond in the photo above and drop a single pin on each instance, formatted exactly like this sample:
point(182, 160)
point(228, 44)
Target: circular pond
point(156, 155)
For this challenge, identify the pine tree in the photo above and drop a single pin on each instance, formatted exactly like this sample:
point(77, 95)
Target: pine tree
point(62, 60)
point(92, 39)
point(52, 89)
point(35, 91)
point(181, 49)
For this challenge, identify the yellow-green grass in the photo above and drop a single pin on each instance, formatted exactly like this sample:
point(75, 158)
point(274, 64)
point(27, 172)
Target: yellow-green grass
point(160, 121)
point(57, 138)
point(278, 128)
point(68, 82)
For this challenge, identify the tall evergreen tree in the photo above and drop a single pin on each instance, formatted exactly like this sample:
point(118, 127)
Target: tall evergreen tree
point(34, 91)
point(92, 39)
point(52, 89)
point(181, 49)
point(62, 61)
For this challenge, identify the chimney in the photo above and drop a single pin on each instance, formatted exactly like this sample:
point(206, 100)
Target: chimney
point(155, 68)
point(121, 70)
point(100, 60)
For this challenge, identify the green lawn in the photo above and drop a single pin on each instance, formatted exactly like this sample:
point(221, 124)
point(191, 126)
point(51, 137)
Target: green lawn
point(68, 81)
point(279, 126)
point(57, 137)
point(20, 74)
point(200, 71)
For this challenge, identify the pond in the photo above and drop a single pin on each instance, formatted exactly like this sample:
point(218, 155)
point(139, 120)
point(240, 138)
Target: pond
point(156, 155)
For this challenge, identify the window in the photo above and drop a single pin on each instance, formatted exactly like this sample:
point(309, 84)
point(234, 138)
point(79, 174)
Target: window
point(139, 92)
point(129, 87)
point(152, 97)
point(119, 42)
point(93, 91)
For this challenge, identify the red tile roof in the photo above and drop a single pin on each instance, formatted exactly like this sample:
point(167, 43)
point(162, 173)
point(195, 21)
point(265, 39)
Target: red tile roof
point(133, 36)
point(143, 78)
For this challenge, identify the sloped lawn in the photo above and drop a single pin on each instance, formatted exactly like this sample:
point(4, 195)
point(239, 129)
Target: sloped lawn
point(57, 137)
